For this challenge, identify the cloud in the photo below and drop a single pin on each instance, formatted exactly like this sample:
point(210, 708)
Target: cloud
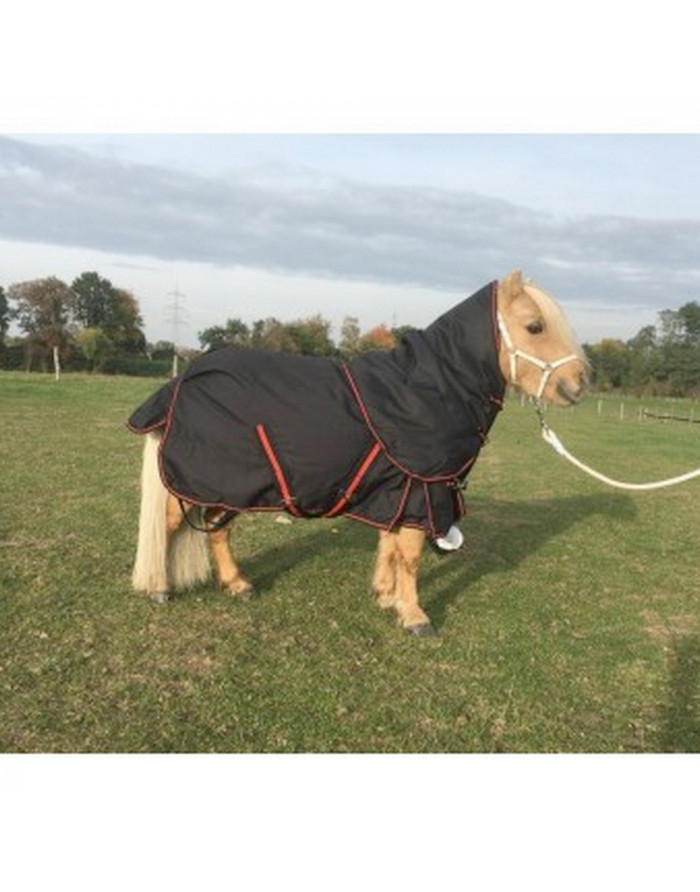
point(291, 220)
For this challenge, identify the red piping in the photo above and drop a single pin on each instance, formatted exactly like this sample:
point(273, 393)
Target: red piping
point(441, 478)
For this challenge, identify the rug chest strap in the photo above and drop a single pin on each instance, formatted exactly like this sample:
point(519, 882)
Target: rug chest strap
point(287, 497)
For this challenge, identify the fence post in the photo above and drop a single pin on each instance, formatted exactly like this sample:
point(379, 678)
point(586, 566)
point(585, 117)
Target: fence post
point(56, 364)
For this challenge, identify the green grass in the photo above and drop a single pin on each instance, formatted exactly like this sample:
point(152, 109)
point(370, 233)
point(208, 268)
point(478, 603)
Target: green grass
point(570, 622)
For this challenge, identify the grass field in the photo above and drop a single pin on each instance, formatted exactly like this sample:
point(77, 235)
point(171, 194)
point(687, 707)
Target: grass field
point(569, 623)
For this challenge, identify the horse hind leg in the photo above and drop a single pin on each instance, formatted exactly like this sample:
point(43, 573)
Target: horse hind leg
point(230, 577)
point(188, 559)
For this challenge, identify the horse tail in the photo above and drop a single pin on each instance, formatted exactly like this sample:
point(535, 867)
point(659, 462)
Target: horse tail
point(188, 557)
point(185, 562)
point(150, 565)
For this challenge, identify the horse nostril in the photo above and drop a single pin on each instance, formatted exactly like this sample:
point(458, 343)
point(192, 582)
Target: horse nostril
point(570, 390)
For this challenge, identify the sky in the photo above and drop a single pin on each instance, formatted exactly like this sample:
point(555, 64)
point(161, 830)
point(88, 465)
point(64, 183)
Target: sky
point(388, 228)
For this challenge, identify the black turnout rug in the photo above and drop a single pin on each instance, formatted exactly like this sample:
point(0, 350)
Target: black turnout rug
point(387, 438)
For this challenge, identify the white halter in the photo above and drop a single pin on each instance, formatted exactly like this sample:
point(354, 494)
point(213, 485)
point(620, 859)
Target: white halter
point(545, 367)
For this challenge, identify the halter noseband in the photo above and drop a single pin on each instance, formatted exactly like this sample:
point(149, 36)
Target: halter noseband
point(545, 367)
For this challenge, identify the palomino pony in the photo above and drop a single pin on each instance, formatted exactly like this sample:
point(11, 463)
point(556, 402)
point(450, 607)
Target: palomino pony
point(387, 438)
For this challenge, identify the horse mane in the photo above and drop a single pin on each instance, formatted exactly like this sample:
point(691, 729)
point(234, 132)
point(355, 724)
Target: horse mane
point(554, 317)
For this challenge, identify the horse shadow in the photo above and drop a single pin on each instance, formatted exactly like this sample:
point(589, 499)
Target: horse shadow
point(533, 522)
point(681, 721)
point(532, 525)
point(266, 566)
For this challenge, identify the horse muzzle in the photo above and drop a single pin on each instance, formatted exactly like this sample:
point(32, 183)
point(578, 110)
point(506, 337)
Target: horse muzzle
point(572, 391)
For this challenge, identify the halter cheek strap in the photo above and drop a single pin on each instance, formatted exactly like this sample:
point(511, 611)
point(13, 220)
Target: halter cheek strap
point(515, 353)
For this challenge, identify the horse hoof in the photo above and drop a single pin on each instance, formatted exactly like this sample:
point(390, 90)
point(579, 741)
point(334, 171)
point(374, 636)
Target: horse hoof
point(240, 591)
point(160, 597)
point(422, 630)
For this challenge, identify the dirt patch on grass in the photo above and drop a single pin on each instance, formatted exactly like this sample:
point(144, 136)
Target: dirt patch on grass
point(667, 629)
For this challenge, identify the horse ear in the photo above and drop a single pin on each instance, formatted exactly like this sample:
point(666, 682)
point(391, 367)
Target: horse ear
point(511, 287)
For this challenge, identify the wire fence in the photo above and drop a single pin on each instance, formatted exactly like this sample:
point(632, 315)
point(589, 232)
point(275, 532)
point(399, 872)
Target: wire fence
point(630, 408)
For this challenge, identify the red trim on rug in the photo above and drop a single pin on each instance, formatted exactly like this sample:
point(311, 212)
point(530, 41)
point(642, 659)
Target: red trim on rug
point(441, 478)
point(145, 430)
point(287, 497)
point(355, 482)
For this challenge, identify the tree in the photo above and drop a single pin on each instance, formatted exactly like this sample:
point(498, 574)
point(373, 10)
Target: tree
point(659, 360)
point(678, 365)
point(161, 350)
point(350, 337)
point(93, 300)
point(123, 324)
point(689, 322)
point(213, 338)
point(98, 304)
point(644, 359)
point(379, 338)
point(671, 327)
point(95, 345)
point(271, 334)
point(644, 341)
point(235, 333)
point(311, 336)
point(610, 362)
point(43, 308)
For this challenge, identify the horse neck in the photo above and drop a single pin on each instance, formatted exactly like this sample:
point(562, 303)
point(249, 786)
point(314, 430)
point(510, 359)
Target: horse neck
point(466, 343)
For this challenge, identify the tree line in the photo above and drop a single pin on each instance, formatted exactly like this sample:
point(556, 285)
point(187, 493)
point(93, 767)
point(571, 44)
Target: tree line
point(306, 337)
point(86, 324)
point(660, 360)
point(93, 325)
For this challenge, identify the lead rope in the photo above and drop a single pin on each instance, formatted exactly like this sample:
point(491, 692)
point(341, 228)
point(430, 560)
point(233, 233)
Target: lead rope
point(550, 437)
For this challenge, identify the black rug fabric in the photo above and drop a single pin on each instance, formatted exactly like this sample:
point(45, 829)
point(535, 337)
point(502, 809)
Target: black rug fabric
point(387, 438)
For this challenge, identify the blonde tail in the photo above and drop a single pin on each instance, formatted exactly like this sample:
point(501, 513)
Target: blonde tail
point(186, 562)
point(150, 571)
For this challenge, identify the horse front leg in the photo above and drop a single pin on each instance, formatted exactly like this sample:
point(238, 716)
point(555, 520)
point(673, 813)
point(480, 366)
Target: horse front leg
point(409, 548)
point(230, 577)
point(384, 578)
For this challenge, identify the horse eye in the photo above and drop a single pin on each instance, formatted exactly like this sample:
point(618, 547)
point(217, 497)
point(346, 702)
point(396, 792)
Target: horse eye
point(535, 328)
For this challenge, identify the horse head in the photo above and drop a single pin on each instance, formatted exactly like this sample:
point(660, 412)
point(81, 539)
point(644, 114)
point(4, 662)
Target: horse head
point(538, 352)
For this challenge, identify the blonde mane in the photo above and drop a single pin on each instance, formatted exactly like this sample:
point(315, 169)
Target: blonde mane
point(555, 318)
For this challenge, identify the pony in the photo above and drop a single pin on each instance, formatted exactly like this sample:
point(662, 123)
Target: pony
point(387, 438)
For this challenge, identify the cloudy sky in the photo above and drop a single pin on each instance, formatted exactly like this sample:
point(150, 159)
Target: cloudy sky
point(373, 224)
point(388, 228)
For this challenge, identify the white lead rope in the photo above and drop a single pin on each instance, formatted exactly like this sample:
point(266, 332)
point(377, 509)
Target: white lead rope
point(550, 437)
